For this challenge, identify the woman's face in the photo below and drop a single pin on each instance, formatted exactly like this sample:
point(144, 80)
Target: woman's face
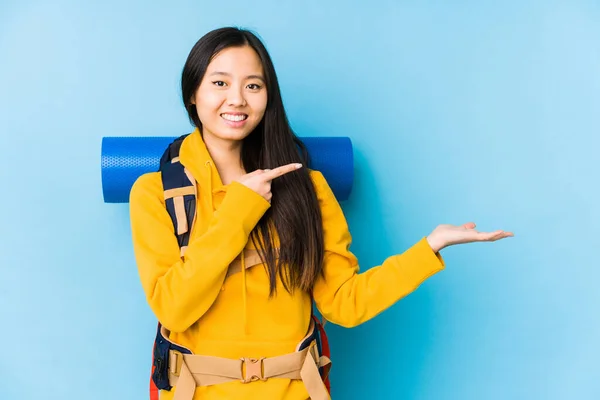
point(232, 97)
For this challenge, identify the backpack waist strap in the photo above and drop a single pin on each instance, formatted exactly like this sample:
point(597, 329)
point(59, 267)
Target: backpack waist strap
point(188, 371)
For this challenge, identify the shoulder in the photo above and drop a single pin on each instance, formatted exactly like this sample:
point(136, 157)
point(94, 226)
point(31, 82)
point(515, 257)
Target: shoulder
point(334, 222)
point(322, 188)
point(318, 180)
point(148, 187)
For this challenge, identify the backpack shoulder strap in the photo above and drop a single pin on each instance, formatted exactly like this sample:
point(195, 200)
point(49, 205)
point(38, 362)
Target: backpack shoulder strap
point(179, 188)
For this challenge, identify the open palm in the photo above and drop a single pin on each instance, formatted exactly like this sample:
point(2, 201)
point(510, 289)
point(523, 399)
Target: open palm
point(447, 235)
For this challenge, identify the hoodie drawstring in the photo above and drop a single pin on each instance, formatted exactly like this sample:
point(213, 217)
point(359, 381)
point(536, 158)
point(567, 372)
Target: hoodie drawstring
point(244, 297)
point(210, 197)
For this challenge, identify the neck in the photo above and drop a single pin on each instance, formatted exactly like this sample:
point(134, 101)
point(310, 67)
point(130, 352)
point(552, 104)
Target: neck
point(226, 154)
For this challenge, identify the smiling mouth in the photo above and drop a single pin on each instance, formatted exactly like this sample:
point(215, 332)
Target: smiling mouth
point(234, 118)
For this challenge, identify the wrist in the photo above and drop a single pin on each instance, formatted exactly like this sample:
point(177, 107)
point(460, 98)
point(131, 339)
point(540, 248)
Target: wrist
point(434, 243)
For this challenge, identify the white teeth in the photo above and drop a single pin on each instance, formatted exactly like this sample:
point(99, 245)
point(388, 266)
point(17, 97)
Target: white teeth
point(234, 118)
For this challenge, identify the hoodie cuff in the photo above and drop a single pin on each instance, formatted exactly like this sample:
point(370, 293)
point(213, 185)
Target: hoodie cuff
point(420, 262)
point(243, 204)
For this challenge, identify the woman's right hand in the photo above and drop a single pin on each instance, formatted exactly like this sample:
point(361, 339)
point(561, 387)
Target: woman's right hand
point(260, 180)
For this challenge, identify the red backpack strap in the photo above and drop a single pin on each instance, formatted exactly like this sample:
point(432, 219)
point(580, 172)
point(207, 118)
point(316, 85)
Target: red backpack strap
point(323, 344)
point(153, 388)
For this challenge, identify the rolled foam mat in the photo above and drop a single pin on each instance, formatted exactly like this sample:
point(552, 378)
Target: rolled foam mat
point(124, 159)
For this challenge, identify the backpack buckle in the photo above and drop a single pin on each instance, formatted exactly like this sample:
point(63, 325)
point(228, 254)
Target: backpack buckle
point(254, 369)
point(176, 359)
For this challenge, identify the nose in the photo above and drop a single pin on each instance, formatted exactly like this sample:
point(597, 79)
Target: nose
point(235, 97)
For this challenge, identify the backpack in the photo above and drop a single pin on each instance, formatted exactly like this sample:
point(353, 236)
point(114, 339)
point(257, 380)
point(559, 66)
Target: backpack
point(182, 198)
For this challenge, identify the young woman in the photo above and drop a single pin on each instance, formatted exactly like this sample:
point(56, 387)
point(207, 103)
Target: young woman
point(268, 239)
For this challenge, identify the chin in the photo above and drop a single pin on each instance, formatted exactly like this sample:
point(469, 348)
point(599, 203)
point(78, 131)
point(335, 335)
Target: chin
point(233, 136)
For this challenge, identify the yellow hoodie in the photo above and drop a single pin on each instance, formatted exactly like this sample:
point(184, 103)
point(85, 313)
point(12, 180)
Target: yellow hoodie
point(232, 316)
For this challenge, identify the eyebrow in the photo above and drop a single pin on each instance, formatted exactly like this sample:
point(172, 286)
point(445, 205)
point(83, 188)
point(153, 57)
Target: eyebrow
point(248, 77)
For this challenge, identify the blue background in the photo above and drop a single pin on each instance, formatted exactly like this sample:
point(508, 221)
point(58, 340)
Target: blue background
point(458, 111)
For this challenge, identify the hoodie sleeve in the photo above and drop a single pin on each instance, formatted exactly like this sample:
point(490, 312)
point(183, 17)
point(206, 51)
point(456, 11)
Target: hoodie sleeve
point(348, 298)
point(179, 291)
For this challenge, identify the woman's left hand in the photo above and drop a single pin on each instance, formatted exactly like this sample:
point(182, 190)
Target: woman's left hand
point(448, 235)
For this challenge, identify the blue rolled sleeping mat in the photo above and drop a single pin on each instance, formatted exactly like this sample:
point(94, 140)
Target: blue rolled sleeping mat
point(124, 159)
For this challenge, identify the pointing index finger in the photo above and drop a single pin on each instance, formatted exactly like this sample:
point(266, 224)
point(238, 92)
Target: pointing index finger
point(284, 169)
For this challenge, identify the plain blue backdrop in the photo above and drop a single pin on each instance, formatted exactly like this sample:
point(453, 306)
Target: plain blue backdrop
point(459, 111)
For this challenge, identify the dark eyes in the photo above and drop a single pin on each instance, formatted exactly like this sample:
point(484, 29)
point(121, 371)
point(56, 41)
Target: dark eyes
point(251, 86)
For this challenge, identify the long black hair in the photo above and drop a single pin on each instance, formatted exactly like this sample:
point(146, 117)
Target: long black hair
point(294, 215)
